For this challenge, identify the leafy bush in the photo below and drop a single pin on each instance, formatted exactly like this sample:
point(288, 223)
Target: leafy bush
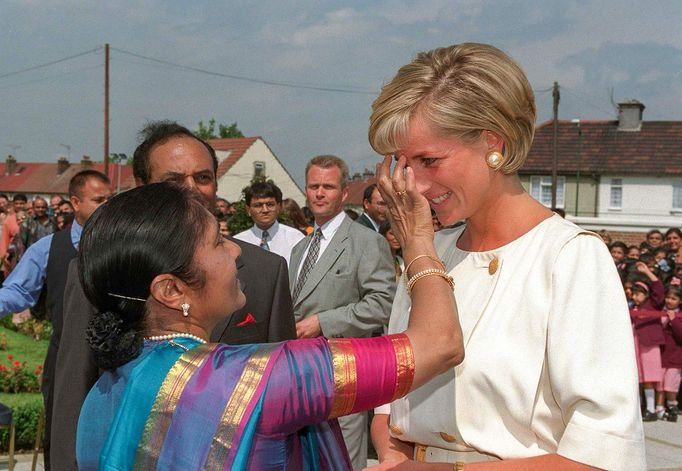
point(19, 377)
point(36, 329)
point(26, 409)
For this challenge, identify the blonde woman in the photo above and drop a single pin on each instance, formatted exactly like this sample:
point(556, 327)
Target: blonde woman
point(549, 380)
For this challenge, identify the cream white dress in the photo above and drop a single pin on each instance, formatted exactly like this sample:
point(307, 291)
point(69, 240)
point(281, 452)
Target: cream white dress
point(549, 355)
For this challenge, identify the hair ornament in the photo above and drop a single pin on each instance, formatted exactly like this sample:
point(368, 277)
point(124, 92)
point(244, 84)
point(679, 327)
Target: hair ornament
point(643, 286)
point(127, 297)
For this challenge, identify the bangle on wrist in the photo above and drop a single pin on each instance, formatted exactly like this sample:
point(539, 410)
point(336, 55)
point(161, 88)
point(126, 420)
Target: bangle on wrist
point(429, 272)
point(438, 261)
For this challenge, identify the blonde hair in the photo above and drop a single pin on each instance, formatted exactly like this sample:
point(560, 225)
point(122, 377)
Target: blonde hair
point(462, 90)
point(329, 161)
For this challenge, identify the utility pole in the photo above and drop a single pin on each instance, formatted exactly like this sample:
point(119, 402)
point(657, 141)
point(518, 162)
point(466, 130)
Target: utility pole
point(555, 139)
point(578, 159)
point(106, 109)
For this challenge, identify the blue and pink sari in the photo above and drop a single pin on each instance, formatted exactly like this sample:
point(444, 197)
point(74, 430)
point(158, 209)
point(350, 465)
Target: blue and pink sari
point(183, 405)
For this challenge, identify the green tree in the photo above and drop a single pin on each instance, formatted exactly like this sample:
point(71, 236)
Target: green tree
point(208, 132)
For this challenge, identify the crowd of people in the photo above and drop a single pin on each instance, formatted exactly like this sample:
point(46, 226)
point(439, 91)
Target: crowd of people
point(24, 222)
point(178, 345)
point(651, 273)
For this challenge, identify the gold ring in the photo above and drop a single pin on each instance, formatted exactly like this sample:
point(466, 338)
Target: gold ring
point(401, 193)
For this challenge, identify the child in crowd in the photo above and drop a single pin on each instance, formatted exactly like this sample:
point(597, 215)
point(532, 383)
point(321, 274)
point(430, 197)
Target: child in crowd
point(671, 357)
point(633, 252)
point(649, 260)
point(605, 236)
point(618, 250)
point(648, 296)
point(654, 239)
point(663, 262)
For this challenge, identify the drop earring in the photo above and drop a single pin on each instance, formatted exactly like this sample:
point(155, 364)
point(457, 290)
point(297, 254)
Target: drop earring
point(494, 159)
point(185, 309)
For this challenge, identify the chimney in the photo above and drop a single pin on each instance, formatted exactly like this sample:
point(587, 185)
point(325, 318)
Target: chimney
point(62, 165)
point(10, 165)
point(86, 163)
point(630, 115)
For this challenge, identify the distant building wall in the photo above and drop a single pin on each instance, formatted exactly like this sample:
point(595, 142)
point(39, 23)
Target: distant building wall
point(230, 186)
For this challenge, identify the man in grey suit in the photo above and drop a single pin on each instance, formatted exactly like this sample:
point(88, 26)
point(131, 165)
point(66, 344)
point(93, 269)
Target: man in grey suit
point(375, 208)
point(342, 277)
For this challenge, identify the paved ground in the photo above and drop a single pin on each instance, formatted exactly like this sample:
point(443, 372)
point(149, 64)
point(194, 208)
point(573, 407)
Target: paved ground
point(663, 449)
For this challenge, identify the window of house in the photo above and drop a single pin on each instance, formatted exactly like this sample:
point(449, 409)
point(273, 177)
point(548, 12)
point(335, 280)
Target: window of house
point(677, 195)
point(259, 169)
point(541, 190)
point(616, 196)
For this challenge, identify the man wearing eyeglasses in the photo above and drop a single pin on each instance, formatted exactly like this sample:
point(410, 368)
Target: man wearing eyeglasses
point(264, 204)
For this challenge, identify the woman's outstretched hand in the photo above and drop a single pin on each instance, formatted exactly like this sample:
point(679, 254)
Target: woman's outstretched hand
point(408, 211)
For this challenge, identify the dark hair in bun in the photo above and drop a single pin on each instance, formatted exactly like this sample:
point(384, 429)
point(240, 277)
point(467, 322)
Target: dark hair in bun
point(131, 239)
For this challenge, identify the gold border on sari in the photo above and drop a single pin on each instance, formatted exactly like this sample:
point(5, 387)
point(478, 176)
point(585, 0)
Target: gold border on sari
point(345, 377)
point(233, 414)
point(404, 364)
point(161, 415)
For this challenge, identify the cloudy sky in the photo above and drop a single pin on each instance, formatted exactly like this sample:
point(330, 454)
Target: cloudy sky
point(598, 51)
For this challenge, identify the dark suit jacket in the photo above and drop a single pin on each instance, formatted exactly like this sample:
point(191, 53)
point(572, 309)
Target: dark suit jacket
point(364, 220)
point(265, 281)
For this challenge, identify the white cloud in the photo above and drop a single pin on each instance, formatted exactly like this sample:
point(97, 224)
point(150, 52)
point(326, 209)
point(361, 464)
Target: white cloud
point(587, 46)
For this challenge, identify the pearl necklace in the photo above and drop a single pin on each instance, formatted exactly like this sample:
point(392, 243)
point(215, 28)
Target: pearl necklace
point(158, 338)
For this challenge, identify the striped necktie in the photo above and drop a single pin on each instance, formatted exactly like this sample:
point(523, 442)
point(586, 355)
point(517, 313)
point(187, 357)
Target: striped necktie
point(264, 241)
point(308, 263)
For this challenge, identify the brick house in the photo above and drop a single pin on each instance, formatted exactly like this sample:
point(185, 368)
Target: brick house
point(239, 160)
point(623, 175)
point(47, 179)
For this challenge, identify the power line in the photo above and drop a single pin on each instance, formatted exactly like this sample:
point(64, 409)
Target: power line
point(46, 64)
point(542, 90)
point(347, 89)
point(71, 72)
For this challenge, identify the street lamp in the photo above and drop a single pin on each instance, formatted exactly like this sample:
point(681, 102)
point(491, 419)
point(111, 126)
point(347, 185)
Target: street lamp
point(578, 159)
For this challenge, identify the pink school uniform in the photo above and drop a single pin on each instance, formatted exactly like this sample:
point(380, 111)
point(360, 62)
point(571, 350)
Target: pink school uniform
point(671, 353)
point(649, 336)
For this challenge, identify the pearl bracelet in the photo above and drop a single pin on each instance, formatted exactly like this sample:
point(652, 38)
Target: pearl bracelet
point(429, 272)
point(438, 261)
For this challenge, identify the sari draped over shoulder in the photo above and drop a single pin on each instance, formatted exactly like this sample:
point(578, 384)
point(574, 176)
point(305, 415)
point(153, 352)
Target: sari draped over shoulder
point(252, 407)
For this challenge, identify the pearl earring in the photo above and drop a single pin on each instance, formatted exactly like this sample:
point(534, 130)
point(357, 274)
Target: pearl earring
point(185, 309)
point(494, 159)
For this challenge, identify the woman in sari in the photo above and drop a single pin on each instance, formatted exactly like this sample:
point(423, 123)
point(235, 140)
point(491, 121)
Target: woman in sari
point(160, 276)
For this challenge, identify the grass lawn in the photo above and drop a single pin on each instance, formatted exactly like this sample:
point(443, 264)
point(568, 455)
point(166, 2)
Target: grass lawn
point(20, 399)
point(23, 348)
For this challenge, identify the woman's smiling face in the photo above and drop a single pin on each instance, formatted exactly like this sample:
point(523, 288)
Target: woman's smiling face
point(451, 174)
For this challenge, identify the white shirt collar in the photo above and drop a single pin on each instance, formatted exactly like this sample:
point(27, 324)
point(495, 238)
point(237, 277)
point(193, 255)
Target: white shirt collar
point(330, 227)
point(374, 223)
point(272, 230)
